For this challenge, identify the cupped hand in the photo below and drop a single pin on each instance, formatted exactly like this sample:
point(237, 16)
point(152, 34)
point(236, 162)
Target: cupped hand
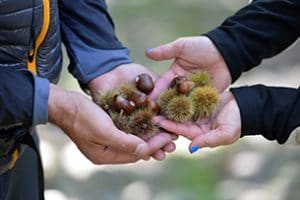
point(223, 128)
point(93, 131)
point(125, 73)
point(190, 54)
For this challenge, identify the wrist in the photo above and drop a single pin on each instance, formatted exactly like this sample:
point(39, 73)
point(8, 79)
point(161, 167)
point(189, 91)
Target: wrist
point(60, 106)
point(219, 66)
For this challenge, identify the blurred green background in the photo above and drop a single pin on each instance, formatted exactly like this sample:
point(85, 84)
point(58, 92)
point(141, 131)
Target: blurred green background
point(253, 168)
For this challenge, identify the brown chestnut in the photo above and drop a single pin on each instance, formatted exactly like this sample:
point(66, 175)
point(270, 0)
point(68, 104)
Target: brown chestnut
point(176, 80)
point(144, 83)
point(120, 103)
point(184, 87)
point(153, 107)
point(140, 99)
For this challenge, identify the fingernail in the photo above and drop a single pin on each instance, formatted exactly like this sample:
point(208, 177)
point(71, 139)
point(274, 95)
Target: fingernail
point(141, 149)
point(148, 49)
point(193, 149)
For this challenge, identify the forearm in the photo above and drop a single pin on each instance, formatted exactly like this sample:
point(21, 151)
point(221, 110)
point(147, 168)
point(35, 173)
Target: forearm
point(260, 30)
point(270, 111)
point(89, 36)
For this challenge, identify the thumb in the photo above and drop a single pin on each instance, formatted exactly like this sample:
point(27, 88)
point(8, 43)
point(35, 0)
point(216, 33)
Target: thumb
point(162, 83)
point(166, 51)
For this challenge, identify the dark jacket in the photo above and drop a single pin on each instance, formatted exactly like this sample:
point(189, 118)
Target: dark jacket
point(30, 57)
point(260, 30)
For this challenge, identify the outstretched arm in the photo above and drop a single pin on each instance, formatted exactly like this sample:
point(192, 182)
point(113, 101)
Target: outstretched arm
point(97, 59)
point(260, 30)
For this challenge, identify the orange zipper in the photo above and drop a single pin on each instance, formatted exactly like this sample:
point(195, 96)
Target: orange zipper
point(31, 65)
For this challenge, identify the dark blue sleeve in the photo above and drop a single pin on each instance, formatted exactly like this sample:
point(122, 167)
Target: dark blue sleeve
point(89, 36)
point(16, 98)
point(16, 111)
point(260, 30)
point(270, 111)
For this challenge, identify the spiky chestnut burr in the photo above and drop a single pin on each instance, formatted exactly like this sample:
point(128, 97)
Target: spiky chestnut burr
point(141, 124)
point(144, 83)
point(120, 121)
point(127, 89)
point(105, 100)
point(165, 97)
point(205, 100)
point(180, 109)
point(201, 79)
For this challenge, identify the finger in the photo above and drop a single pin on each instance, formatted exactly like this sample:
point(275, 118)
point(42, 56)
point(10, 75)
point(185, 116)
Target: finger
point(212, 139)
point(159, 155)
point(147, 158)
point(174, 136)
point(166, 51)
point(188, 130)
point(169, 148)
point(158, 141)
point(162, 83)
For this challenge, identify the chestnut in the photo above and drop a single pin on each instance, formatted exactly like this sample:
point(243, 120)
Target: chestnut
point(120, 103)
point(144, 83)
point(184, 87)
point(153, 107)
point(140, 99)
point(176, 80)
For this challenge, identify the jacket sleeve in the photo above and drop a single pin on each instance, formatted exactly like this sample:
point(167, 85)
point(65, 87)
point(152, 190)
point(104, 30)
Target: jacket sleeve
point(270, 111)
point(16, 98)
point(260, 30)
point(23, 103)
point(90, 40)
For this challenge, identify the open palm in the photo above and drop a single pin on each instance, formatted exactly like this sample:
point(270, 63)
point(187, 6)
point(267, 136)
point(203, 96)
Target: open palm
point(190, 54)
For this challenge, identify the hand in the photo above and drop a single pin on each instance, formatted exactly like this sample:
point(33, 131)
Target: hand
point(92, 130)
point(123, 74)
point(191, 54)
point(223, 128)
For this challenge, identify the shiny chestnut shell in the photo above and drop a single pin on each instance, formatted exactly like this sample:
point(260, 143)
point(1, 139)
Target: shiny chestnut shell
point(120, 103)
point(153, 107)
point(140, 99)
point(176, 80)
point(184, 87)
point(144, 83)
